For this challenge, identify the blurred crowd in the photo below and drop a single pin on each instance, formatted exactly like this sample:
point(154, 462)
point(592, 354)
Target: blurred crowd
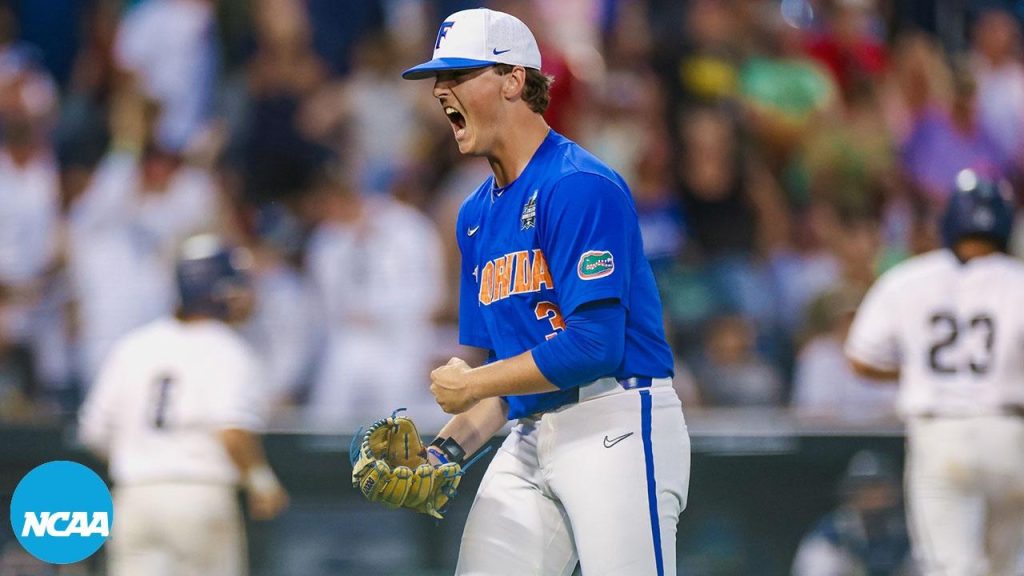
point(781, 155)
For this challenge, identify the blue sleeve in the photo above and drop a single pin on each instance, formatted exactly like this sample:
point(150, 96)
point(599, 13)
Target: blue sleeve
point(472, 330)
point(591, 346)
point(585, 236)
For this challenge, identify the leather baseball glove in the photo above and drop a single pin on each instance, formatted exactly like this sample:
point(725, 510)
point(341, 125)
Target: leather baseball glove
point(390, 466)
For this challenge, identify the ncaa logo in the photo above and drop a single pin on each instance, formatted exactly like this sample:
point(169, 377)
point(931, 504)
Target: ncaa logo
point(61, 512)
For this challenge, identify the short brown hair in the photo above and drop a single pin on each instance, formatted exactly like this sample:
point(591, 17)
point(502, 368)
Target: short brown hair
point(537, 91)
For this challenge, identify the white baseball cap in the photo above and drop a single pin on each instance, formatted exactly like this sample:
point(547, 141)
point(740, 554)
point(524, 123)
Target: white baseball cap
point(478, 38)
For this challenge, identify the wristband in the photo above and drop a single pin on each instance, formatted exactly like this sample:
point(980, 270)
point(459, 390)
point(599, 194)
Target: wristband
point(436, 452)
point(261, 479)
point(451, 449)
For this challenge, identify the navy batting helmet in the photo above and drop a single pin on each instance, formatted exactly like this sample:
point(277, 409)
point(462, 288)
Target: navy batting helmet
point(978, 207)
point(208, 272)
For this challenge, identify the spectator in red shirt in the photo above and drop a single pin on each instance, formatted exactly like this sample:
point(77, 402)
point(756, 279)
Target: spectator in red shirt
point(847, 45)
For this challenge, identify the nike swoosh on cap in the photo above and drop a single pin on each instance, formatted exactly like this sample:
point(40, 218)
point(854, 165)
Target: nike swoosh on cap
point(471, 231)
point(499, 52)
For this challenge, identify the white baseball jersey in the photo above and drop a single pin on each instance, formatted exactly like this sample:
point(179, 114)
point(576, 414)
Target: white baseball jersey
point(162, 396)
point(954, 330)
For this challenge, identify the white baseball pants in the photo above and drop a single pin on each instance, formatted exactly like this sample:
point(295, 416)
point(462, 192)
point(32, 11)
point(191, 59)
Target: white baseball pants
point(965, 494)
point(601, 482)
point(177, 529)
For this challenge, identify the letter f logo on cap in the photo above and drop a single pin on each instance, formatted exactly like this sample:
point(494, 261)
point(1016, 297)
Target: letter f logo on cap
point(443, 32)
point(485, 38)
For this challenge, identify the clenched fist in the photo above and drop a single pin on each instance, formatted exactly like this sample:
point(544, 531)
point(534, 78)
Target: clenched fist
point(451, 387)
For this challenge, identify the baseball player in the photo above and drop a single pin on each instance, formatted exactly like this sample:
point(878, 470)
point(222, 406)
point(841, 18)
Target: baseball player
point(950, 325)
point(555, 287)
point(178, 408)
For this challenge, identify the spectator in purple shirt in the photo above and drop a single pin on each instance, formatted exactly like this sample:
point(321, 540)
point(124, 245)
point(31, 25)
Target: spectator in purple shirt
point(941, 144)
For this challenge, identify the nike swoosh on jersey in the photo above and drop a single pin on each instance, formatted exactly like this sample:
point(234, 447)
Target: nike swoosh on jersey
point(608, 443)
point(471, 231)
point(499, 52)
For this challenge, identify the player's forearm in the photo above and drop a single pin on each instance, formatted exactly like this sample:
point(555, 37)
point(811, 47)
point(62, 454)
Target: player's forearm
point(474, 427)
point(872, 372)
point(509, 377)
point(246, 452)
point(590, 347)
point(267, 498)
point(243, 448)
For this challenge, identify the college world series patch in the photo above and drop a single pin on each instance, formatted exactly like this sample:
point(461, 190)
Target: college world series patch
point(528, 219)
point(595, 264)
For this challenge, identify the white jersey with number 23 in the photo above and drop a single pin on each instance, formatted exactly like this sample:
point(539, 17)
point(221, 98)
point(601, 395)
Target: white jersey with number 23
point(954, 330)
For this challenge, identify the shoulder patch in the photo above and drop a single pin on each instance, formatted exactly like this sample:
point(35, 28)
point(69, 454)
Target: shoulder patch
point(595, 264)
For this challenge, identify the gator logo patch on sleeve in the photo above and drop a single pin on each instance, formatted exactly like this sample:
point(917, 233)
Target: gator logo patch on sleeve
point(595, 264)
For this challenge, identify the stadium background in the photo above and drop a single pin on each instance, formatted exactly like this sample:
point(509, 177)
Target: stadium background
point(782, 154)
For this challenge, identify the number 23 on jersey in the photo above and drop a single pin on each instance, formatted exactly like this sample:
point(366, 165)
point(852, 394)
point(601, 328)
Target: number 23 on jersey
point(961, 344)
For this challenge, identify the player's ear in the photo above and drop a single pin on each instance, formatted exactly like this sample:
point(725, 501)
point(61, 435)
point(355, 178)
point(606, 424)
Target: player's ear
point(514, 82)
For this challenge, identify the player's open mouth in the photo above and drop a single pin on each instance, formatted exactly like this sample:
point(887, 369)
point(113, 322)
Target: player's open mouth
point(458, 121)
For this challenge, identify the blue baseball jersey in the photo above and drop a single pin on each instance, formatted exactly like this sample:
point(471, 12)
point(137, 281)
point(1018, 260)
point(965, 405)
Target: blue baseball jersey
point(563, 234)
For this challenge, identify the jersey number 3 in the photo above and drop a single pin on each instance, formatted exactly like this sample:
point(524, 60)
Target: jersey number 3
point(550, 311)
point(979, 331)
